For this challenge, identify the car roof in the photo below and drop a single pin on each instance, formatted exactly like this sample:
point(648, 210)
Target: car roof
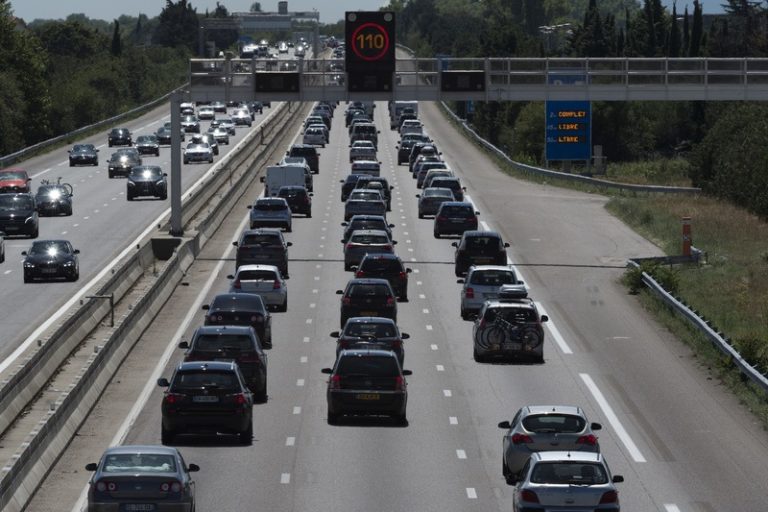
point(262, 231)
point(357, 352)
point(553, 409)
point(362, 217)
point(370, 232)
point(526, 303)
point(142, 448)
point(206, 365)
point(367, 280)
point(566, 456)
point(481, 268)
point(457, 203)
point(370, 320)
point(221, 329)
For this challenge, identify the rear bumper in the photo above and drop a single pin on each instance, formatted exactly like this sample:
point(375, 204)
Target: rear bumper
point(349, 402)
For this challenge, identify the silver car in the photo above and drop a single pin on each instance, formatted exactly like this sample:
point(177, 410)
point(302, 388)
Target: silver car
point(481, 284)
point(362, 150)
point(198, 152)
point(314, 136)
point(539, 428)
point(271, 212)
point(431, 199)
point(264, 280)
point(141, 477)
point(364, 202)
point(568, 481)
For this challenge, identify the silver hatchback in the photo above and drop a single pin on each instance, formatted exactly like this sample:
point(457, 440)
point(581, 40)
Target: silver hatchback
point(271, 212)
point(264, 280)
point(481, 284)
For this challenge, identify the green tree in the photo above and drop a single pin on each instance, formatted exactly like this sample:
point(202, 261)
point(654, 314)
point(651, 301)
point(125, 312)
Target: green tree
point(117, 43)
point(178, 26)
point(697, 30)
point(673, 43)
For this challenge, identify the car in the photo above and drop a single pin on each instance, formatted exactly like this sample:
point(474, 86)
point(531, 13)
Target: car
point(509, 327)
point(377, 183)
point(366, 241)
point(264, 246)
point(227, 123)
point(146, 180)
point(421, 149)
point(431, 199)
point(51, 259)
point(321, 127)
point(364, 202)
point(190, 123)
point(219, 106)
point(206, 138)
point(454, 218)
point(122, 161)
point(543, 428)
point(242, 117)
point(478, 248)
point(372, 333)
point(119, 137)
point(282, 47)
point(353, 113)
point(367, 297)
point(148, 145)
point(206, 112)
point(236, 343)
point(141, 477)
point(367, 382)
point(365, 222)
point(431, 173)
point(14, 180)
point(368, 167)
point(264, 280)
point(53, 198)
point(315, 119)
point(82, 154)
point(164, 134)
point(18, 215)
point(364, 131)
point(309, 153)
point(186, 108)
point(300, 161)
point(386, 266)
point(565, 480)
point(452, 183)
point(198, 152)
point(410, 126)
point(241, 309)
point(434, 160)
point(256, 106)
point(220, 135)
point(348, 185)
point(362, 150)
point(299, 200)
point(314, 136)
point(206, 397)
point(2, 247)
point(483, 283)
point(271, 212)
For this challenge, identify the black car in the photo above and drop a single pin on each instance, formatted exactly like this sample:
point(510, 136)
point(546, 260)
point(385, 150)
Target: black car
point(367, 382)
point(348, 185)
point(372, 333)
point(454, 218)
point(190, 123)
point(82, 154)
point(241, 309)
point(385, 189)
point(386, 266)
point(206, 397)
point(299, 200)
point(309, 153)
point(148, 145)
point(54, 198)
point(163, 135)
point(450, 182)
point(406, 144)
point(367, 297)
point(263, 246)
point(50, 259)
point(231, 343)
point(147, 180)
point(119, 137)
point(18, 215)
point(358, 222)
point(122, 161)
point(479, 248)
point(256, 106)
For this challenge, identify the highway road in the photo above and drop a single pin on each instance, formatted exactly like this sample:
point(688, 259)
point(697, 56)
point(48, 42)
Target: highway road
point(680, 440)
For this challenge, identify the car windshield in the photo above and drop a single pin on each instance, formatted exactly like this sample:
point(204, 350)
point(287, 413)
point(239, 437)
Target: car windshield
point(12, 175)
point(238, 302)
point(204, 379)
point(261, 239)
point(493, 277)
point(13, 202)
point(49, 248)
point(51, 191)
point(270, 206)
point(146, 138)
point(367, 224)
point(146, 172)
point(198, 147)
point(139, 463)
point(369, 366)
point(370, 330)
point(189, 119)
point(78, 148)
point(560, 423)
point(215, 342)
point(569, 473)
point(384, 265)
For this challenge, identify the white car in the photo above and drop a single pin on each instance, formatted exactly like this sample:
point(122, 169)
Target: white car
point(264, 280)
point(206, 112)
point(314, 136)
point(198, 152)
point(321, 126)
point(411, 126)
point(362, 150)
point(482, 283)
point(282, 47)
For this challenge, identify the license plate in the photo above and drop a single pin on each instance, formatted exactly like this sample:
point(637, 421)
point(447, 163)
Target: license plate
point(135, 507)
point(367, 396)
point(205, 398)
point(483, 261)
point(512, 346)
point(368, 313)
point(457, 221)
point(48, 270)
point(490, 296)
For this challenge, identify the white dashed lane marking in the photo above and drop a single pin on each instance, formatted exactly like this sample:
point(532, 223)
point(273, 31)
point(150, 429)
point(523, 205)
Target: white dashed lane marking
point(440, 368)
point(453, 420)
point(285, 478)
point(461, 454)
point(290, 441)
point(297, 410)
point(447, 393)
point(306, 339)
point(471, 493)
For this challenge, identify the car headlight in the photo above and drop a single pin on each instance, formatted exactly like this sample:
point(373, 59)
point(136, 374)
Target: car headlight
point(29, 219)
point(28, 264)
point(69, 264)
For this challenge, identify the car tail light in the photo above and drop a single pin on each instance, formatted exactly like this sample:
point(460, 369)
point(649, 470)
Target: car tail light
point(399, 383)
point(173, 486)
point(251, 357)
point(335, 382)
point(359, 273)
point(257, 318)
point(346, 301)
point(529, 496)
point(343, 344)
point(482, 324)
point(172, 398)
point(403, 275)
point(589, 439)
point(276, 285)
point(387, 247)
point(348, 246)
point(442, 218)
point(397, 344)
point(472, 219)
point(236, 284)
point(521, 439)
point(240, 399)
point(104, 485)
point(469, 293)
point(390, 301)
point(609, 497)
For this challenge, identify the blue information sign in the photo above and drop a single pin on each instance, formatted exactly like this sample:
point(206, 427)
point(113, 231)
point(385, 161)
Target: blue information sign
point(568, 130)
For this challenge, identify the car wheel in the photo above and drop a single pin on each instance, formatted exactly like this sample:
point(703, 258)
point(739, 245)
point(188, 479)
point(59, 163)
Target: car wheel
point(288, 229)
point(333, 418)
point(210, 160)
point(437, 235)
point(401, 419)
point(421, 215)
point(464, 314)
point(166, 436)
point(71, 164)
point(35, 233)
point(27, 279)
point(309, 214)
point(110, 144)
point(110, 174)
point(246, 436)
point(129, 197)
point(68, 211)
point(476, 356)
point(283, 307)
point(164, 197)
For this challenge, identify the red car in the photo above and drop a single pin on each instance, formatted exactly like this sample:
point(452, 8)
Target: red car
point(14, 180)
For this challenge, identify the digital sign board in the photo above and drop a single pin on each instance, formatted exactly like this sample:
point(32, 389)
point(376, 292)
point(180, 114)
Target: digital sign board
point(370, 54)
point(568, 130)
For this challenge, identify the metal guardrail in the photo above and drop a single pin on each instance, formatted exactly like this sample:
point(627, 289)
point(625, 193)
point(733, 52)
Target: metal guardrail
point(23, 153)
point(564, 175)
point(718, 340)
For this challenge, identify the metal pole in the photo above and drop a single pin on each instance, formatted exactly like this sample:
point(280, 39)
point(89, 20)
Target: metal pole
point(176, 222)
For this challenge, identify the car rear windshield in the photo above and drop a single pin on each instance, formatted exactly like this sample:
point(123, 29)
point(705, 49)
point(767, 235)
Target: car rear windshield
point(457, 211)
point(450, 183)
point(560, 423)
point(238, 302)
point(367, 224)
point(372, 330)
point(49, 247)
point(291, 192)
point(370, 366)
point(369, 239)
point(270, 206)
point(569, 473)
point(384, 265)
point(303, 152)
point(196, 379)
point(482, 242)
point(256, 275)
point(215, 342)
point(263, 239)
point(139, 463)
point(437, 192)
point(493, 277)
point(511, 315)
point(369, 290)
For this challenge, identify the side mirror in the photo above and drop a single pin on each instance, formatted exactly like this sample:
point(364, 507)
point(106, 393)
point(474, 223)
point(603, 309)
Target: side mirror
point(235, 244)
point(339, 292)
point(23, 253)
point(464, 189)
point(206, 307)
point(407, 372)
point(311, 194)
point(408, 270)
point(261, 179)
point(544, 318)
point(341, 181)
point(617, 479)
point(404, 335)
point(193, 468)
point(394, 242)
point(69, 151)
point(391, 225)
point(230, 276)
point(460, 281)
point(163, 382)
point(335, 334)
point(505, 425)
point(326, 371)
point(418, 195)
point(343, 223)
point(596, 426)
point(91, 466)
point(184, 344)
point(506, 244)
point(165, 175)
point(250, 206)
point(77, 251)
point(289, 244)
point(477, 213)
point(454, 244)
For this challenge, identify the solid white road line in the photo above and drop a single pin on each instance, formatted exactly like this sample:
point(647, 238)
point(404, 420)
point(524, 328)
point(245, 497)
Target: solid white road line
point(554, 331)
point(629, 444)
point(671, 507)
point(471, 493)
